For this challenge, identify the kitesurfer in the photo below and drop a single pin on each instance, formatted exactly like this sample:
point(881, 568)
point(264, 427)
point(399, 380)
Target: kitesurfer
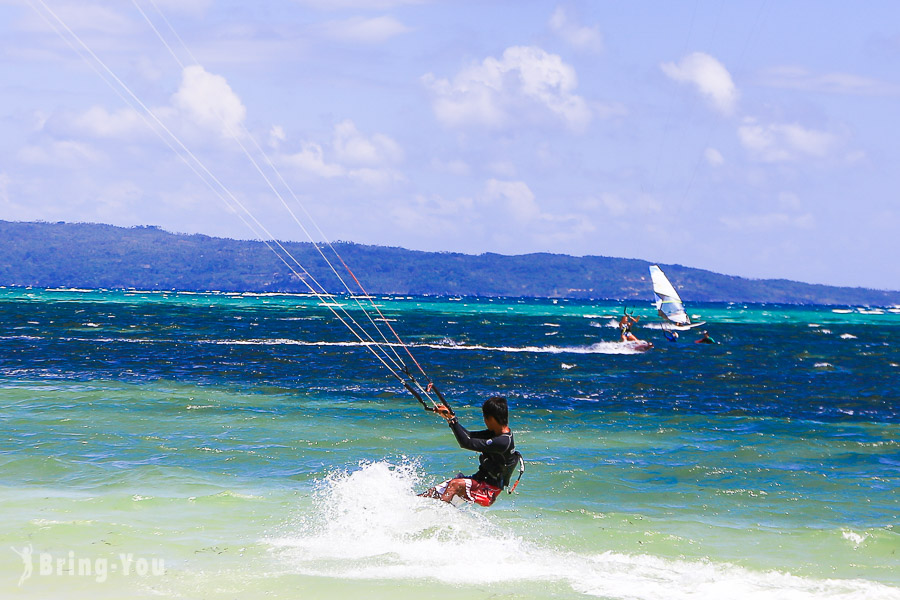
point(625, 324)
point(497, 461)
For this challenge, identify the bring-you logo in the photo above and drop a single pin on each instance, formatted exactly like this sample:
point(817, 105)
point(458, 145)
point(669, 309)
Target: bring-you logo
point(99, 568)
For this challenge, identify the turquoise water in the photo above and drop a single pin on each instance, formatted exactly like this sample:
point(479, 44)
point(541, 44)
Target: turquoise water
point(218, 446)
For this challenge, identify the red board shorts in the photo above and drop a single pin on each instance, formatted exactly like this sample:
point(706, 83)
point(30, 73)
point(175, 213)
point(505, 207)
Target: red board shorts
point(481, 493)
point(478, 492)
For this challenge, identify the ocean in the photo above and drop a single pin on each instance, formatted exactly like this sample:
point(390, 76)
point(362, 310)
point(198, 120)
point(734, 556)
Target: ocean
point(182, 445)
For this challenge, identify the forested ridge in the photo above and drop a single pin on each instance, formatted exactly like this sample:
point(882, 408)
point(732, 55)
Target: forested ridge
point(85, 255)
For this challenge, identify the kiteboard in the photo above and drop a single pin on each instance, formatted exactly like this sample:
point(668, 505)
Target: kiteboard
point(638, 345)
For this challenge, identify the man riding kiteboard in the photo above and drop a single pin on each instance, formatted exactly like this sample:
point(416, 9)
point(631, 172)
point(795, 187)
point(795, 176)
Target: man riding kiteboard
point(497, 461)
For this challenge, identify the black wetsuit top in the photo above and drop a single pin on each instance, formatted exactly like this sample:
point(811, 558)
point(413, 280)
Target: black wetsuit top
point(496, 452)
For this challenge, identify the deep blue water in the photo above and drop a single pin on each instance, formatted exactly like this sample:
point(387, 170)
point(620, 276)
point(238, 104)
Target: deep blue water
point(769, 361)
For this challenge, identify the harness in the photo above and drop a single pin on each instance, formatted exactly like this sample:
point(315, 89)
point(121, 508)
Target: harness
point(510, 469)
point(503, 471)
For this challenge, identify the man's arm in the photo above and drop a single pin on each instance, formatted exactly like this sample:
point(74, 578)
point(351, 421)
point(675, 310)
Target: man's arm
point(479, 441)
point(475, 441)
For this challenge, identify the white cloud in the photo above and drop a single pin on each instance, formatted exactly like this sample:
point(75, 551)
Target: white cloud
point(353, 148)
point(40, 119)
point(116, 203)
point(194, 7)
point(617, 206)
point(358, 4)
point(565, 230)
point(515, 197)
point(365, 31)
point(768, 221)
point(276, 136)
point(510, 219)
point(209, 102)
point(456, 167)
point(422, 215)
point(4, 187)
point(784, 142)
point(311, 159)
point(645, 204)
point(98, 122)
point(798, 78)
point(708, 76)
point(68, 153)
point(19, 211)
point(150, 69)
point(366, 159)
point(786, 212)
point(714, 157)
point(497, 92)
point(375, 177)
point(588, 39)
point(81, 18)
point(203, 101)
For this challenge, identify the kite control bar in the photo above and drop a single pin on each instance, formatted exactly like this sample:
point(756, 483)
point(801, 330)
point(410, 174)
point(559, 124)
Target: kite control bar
point(429, 388)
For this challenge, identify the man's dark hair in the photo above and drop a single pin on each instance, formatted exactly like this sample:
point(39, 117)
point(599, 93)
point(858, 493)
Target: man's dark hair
point(495, 406)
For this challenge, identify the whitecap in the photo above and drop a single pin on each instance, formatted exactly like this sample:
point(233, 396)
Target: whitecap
point(597, 348)
point(854, 537)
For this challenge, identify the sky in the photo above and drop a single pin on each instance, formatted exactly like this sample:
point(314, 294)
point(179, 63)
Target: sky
point(754, 138)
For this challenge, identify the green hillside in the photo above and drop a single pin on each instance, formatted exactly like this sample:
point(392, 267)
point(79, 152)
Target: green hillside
point(102, 256)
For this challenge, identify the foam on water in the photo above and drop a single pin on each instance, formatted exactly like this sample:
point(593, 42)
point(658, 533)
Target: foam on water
point(368, 524)
point(596, 348)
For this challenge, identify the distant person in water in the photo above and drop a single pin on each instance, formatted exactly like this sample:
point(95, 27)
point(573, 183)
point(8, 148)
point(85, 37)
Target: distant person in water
point(625, 324)
point(705, 339)
point(671, 335)
point(497, 461)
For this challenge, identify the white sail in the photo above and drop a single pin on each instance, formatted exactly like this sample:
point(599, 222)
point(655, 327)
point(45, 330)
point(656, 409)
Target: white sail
point(668, 303)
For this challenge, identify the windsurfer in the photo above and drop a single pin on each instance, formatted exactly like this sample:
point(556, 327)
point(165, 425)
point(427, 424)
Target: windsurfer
point(497, 461)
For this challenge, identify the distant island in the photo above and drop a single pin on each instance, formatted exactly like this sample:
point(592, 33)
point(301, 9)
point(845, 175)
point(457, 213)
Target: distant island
point(85, 255)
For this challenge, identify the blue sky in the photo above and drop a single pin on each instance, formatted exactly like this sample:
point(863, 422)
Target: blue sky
point(753, 138)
